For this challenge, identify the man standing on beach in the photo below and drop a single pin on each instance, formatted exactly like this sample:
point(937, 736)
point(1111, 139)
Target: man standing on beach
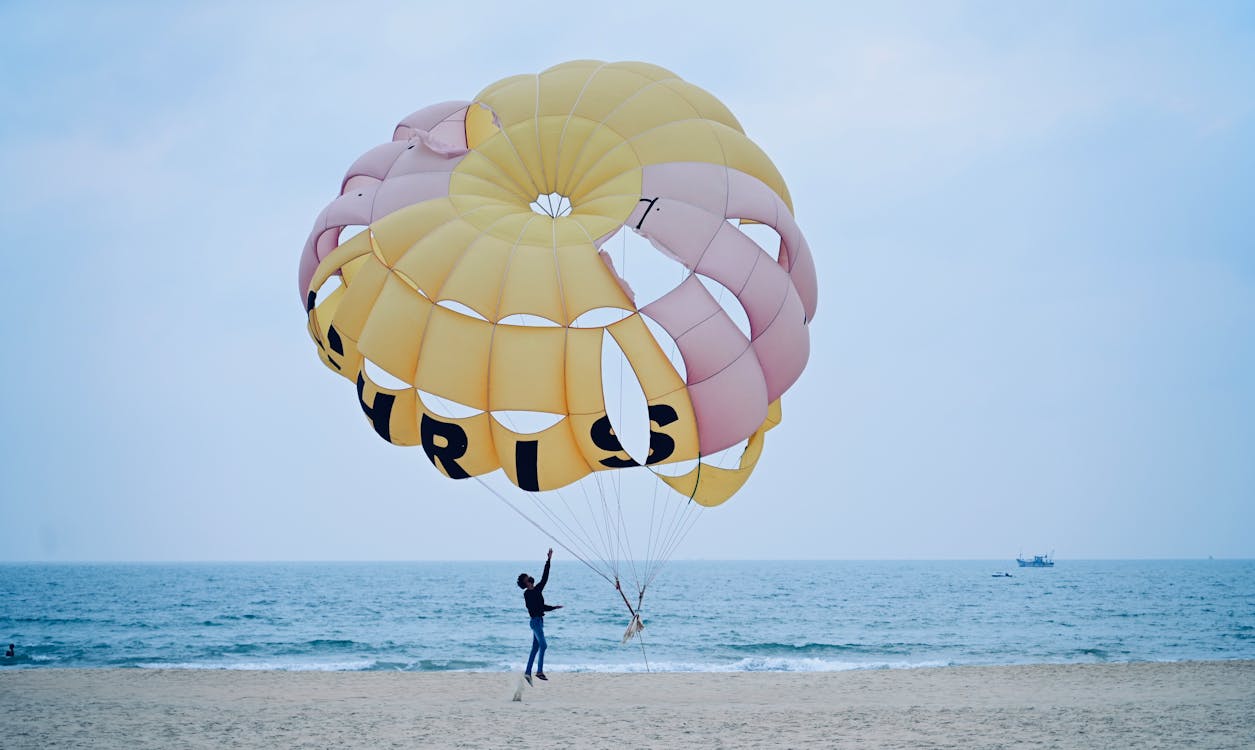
point(536, 608)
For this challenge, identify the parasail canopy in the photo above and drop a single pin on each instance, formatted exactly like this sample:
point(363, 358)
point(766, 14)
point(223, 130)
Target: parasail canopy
point(473, 279)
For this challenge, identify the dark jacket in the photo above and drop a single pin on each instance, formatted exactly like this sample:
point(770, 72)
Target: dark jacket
point(534, 599)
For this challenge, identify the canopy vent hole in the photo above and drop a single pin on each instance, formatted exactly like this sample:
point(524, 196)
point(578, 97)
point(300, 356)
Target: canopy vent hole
point(554, 205)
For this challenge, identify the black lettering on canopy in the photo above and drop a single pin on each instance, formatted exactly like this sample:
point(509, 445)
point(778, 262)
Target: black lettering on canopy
point(661, 445)
point(333, 340)
point(602, 435)
point(645, 215)
point(380, 414)
point(526, 456)
point(448, 452)
point(337, 346)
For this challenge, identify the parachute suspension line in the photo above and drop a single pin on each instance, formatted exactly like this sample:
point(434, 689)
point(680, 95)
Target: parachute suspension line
point(663, 517)
point(679, 538)
point(689, 508)
point(660, 529)
point(624, 538)
point(623, 544)
point(556, 541)
point(682, 521)
point(582, 537)
point(690, 511)
point(678, 528)
point(613, 531)
point(653, 505)
point(604, 528)
point(686, 524)
point(674, 517)
point(589, 508)
point(641, 635)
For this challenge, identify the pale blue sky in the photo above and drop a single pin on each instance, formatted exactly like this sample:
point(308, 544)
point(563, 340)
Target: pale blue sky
point(1032, 222)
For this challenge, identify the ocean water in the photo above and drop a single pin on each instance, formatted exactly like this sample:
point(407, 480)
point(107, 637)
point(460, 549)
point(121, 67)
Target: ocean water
point(700, 616)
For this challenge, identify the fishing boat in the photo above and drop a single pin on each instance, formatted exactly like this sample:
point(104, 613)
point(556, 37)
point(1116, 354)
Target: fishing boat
point(1038, 561)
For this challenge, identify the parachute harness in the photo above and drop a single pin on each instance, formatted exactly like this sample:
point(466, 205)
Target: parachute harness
point(635, 626)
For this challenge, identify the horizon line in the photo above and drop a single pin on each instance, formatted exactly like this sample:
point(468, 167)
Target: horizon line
point(674, 560)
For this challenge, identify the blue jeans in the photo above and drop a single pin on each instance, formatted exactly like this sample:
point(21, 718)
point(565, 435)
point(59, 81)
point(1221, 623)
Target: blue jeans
point(538, 645)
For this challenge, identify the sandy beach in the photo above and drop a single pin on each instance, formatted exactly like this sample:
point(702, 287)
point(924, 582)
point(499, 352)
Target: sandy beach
point(1144, 705)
